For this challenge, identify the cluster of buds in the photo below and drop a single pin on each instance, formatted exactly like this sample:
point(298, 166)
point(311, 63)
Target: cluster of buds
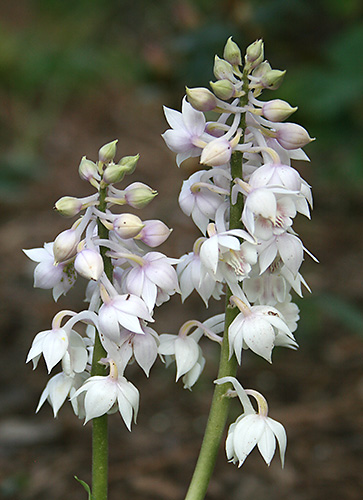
point(246, 154)
point(126, 277)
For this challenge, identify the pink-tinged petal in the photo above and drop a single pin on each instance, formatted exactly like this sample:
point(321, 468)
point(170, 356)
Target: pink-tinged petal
point(267, 444)
point(209, 254)
point(145, 351)
point(194, 120)
point(132, 305)
point(177, 141)
point(280, 433)
point(174, 118)
point(291, 251)
point(135, 281)
point(47, 275)
point(38, 254)
point(228, 241)
point(186, 355)
point(200, 220)
point(108, 322)
point(267, 256)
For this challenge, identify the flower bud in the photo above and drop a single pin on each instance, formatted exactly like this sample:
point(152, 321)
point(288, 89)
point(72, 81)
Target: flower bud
point(292, 136)
point(89, 264)
point(232, 53)
point(223, 70)
point(127, 226)
point(254, 54)
point(154, 233)
point(88, 170)
point(107, 152)
point(223, 89)
point(277, 110)
point(138, 195)
point(112, 174)
point(216, 153)
point(261, 69)
point(272, 79)
point(201, 99)
point(128, 163)
point(65, 245)
point(68, 206)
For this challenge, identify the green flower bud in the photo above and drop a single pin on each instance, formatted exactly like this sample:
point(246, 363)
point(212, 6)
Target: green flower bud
point(128, 163)
point(138, 195)
point(272, 79)
point(201, 99)
point(232, 53)
point(107, 152)
point(88, 170)
point(254, 54)
point(223, 89)
point(223, 70)
point(261, 69)
point(112, 174)
point(277, 110)
point(68, 206)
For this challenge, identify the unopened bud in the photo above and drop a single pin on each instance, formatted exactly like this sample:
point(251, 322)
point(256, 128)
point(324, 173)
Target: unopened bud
point(254, 54)
point(232, 53)
point(89, 264)
point(261, 69)
point(154, 233)
point(277, 110)
point(217, 152)
point(292, 136)
point(138, 195)
point(88, 170)
point(223, 89)
point(112, 174)
point(272, 79)
point(223, 70)
point(65, 245)
point(107, 152)
point(68, 206)
point(201, 99)
point(127, 226)
point(128, 163)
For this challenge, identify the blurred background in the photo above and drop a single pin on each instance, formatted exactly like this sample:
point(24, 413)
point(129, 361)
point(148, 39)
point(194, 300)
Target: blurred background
point(77, 74)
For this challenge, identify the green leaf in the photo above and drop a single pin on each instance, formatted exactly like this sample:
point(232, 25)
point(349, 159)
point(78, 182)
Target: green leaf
point(86, 487)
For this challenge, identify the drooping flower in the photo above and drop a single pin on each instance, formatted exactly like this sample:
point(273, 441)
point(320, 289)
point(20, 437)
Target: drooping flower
point(256, 328)
point(253, 428)
point(102, 393)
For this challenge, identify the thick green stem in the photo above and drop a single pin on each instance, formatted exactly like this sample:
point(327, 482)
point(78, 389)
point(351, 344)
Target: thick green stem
point(227, 367)
point(100, 424)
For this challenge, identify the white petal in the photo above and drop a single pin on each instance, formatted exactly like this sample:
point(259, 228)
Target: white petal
point(100, 396)
point(280, 433)
point(267, 444)
point(186, 355)
point(246, 435)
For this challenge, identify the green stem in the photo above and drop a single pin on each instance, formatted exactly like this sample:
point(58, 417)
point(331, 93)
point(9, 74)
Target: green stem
point(100, 424)
point(227, 367)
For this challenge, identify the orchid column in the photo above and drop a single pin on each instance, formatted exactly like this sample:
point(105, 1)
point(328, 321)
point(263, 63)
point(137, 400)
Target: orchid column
point(243, 201)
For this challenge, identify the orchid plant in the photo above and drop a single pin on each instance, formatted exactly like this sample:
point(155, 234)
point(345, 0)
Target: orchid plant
point(243, 201)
